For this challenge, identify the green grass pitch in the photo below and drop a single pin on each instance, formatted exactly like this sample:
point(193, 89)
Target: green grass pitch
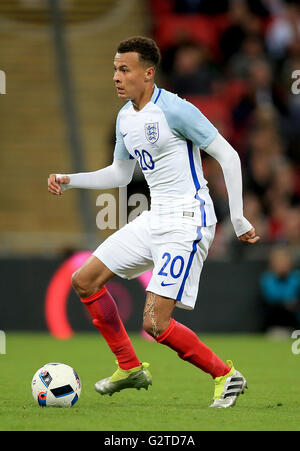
point(178, 399)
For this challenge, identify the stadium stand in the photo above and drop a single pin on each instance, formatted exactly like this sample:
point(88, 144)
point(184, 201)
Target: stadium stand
point(33, 130)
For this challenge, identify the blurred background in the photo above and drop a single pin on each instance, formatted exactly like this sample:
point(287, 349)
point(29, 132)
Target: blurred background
point(238, 61)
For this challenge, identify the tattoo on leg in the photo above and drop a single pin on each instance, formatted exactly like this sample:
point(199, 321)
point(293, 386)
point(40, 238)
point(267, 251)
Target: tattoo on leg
point(149, 310)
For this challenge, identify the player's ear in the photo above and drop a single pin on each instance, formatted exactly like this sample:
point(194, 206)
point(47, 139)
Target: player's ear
point(149, 73)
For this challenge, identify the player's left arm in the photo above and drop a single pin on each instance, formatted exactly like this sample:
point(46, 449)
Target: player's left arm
point(187, 121)
point(229, 160)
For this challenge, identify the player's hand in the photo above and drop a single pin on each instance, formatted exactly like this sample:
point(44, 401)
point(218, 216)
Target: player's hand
point(54, 183)
point(249, 237)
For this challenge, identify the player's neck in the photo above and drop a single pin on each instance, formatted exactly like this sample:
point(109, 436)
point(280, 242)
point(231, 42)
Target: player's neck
point(144, 98)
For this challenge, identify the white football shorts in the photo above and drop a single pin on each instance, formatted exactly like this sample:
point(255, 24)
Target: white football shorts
point(174, 253)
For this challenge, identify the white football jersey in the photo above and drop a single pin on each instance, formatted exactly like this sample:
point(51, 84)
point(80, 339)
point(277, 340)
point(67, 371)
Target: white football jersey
point(165, 137)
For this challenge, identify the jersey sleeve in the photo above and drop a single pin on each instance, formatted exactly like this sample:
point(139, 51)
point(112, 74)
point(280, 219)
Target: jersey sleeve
point(120, 152)
point(187, 122)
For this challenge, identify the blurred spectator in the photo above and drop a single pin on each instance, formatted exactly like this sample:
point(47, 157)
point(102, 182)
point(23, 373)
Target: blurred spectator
point(258, 177)
point(252, 49)
point(292, 231)
point(277, 218)
point(262, 92)
point(280, 289)
point(274, 7)
point(193, 73)
point(283, 186)
point(242, 22)
point(284, 226)
point(284, 31)
point(168, 55)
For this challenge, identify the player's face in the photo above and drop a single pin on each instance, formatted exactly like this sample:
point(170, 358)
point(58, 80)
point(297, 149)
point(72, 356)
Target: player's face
point(130, 75)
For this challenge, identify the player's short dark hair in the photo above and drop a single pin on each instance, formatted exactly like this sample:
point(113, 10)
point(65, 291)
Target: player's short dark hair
point(145, 47)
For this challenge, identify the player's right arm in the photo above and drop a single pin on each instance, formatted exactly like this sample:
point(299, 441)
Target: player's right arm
point(119, 173)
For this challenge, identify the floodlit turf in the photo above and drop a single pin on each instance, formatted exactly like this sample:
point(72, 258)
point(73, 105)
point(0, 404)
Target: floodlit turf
point(178, 399)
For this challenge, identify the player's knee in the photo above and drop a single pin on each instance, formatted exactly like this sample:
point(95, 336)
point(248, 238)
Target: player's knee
point(81, 285)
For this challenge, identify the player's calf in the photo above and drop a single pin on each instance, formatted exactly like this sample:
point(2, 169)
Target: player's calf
point(106, 319)
point(157, 314)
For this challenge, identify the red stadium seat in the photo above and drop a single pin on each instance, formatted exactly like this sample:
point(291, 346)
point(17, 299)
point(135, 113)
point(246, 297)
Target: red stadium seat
point(160, 7)
point(197, 27)
point(235, 90)
point(212, 107)
point(217, 111)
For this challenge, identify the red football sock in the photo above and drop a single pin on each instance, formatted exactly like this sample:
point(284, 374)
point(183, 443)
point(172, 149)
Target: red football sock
point(106, 318)
point(188, 346)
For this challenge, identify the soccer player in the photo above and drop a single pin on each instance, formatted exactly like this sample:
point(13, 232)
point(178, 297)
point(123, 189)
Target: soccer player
point(164, 134)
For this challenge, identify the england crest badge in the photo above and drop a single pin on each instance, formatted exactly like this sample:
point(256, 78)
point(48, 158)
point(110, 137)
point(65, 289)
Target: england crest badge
point(152, 132)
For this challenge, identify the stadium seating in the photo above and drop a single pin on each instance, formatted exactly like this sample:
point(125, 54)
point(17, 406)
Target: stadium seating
point(199, 28)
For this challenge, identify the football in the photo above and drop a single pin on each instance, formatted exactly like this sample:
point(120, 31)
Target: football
point(56, 385)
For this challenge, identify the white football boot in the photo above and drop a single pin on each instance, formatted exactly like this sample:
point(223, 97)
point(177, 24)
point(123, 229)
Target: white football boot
point(228, 388)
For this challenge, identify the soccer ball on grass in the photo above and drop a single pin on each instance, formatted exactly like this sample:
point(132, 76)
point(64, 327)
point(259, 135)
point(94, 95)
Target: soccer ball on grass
point(57, 385)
